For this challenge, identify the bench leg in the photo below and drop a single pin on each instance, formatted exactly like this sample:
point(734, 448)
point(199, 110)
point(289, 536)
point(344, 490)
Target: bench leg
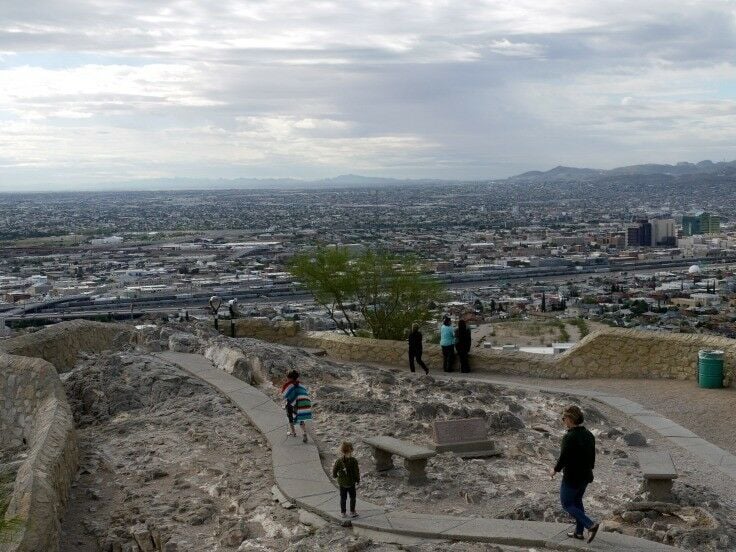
point(660, 490)
point(417, 471)
point(383, 460)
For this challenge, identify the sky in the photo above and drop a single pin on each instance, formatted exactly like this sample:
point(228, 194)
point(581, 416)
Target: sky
point(115, 90)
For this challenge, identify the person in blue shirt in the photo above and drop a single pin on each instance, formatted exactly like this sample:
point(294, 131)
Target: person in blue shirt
point(447, 342)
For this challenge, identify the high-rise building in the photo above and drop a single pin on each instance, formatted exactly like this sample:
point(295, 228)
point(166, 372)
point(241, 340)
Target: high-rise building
point(705, 223)
point(639, 234)
point(645, 233)
point(710, 224)
point(633, 238)
point(690, 225)
point(663, 232)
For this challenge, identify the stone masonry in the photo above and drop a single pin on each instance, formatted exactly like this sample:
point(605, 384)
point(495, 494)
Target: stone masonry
point(610, 353)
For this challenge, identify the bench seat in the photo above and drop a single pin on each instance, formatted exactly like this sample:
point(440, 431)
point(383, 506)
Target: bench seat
point(398, 447)
point(658, 470)
point(415, 457)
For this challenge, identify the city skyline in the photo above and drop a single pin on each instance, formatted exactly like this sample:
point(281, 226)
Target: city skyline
point(107, 92)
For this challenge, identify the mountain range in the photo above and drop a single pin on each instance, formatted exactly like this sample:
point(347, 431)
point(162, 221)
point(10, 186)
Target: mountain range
point(558, 175)
point(572, 174)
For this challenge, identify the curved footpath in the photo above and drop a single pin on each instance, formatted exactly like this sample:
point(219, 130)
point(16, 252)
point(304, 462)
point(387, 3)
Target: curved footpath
point(722, 460)
point(300, 477)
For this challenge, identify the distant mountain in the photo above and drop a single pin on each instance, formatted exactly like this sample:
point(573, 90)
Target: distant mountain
point(559, 173)
point(572, 174)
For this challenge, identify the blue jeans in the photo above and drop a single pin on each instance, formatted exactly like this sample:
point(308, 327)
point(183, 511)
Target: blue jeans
point(571, 499)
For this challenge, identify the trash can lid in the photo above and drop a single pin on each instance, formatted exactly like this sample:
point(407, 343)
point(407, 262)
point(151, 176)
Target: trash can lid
point(710, 353)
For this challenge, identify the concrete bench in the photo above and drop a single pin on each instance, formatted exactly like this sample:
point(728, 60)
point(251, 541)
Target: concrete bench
point(415, 457)
point(658, 471)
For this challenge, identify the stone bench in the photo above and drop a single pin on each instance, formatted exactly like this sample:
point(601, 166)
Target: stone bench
point(658, 471)
point(415, 457)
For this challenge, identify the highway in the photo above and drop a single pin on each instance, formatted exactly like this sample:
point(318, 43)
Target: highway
point(87, 307)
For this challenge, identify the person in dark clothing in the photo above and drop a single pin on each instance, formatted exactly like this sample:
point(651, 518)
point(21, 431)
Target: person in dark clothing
point(576, 462)
point(462, 345)
point(347, 473)
point(415, 348)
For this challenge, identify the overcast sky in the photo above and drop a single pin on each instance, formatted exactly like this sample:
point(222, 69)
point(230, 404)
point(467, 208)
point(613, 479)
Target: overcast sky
point(104, 90)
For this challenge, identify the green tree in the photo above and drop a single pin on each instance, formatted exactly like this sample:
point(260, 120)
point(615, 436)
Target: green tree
point(392, 292)
point(389, 291)
point(329, 276)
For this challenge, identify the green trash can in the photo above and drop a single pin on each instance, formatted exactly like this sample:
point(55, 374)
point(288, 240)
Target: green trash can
point(710, 369)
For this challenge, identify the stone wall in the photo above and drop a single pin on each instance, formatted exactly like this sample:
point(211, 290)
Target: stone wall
point(360, 349)
point(622, 353)
point(261, 328)
point(35, 419)
point(60, 343)
point(609, 353)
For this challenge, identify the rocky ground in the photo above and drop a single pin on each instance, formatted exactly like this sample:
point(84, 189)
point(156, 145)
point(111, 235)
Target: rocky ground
point(353, 401)
point(168, 464)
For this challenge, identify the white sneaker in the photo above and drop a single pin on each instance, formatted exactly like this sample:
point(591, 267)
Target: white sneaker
point(353, 514)
point(344, 515)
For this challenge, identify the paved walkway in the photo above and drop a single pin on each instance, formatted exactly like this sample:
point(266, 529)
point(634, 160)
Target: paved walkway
point(710, 413)
point(300, 477)
point(681, 436)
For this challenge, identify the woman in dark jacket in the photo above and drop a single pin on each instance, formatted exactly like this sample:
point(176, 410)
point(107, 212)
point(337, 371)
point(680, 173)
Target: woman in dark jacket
point(462, 345)
point(576, 462)
point(415, 348)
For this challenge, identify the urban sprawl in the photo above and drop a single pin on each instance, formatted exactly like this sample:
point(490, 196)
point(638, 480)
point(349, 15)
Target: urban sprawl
point(503, 255)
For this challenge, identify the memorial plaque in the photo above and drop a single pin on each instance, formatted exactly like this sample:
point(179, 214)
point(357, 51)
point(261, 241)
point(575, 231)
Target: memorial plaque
point(448, 432)
point(467, 437)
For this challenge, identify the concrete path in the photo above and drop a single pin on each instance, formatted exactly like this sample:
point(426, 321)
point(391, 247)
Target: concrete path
point(681, 436)
point(300, 477)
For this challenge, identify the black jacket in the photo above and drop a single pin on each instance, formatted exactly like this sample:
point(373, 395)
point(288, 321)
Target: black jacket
point(463, 340)
point(577, 457)
point(415, 342)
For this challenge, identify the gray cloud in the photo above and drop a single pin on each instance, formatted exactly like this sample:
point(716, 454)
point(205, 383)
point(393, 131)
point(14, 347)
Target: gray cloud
point(104, 89)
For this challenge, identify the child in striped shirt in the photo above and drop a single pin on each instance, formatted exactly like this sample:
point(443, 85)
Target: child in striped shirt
point(298, 406)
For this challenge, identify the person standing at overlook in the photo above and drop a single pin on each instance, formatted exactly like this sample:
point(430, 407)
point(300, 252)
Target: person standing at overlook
point(415, 348)
point(576, 462)
point(462, 345)
point(447, 342)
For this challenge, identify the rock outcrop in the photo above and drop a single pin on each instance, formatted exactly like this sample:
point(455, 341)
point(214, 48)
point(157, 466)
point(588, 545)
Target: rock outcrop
point(60, 343)
point(36, 423)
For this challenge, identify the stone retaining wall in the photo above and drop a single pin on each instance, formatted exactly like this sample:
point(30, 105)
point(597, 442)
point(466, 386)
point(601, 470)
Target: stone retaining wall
point(609, 353)
point(36, 418)
point(60, 343)
point(622, 353)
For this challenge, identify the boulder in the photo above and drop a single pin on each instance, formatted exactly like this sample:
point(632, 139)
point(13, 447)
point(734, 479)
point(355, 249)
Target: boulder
point(183, 343)
point(505, 421)
point(635, 439)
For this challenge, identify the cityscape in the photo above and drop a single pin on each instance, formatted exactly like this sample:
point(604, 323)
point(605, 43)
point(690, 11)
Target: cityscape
point(120, 255)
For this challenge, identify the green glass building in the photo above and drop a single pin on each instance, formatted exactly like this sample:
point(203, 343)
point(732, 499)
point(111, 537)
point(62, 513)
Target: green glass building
point(705, 223)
